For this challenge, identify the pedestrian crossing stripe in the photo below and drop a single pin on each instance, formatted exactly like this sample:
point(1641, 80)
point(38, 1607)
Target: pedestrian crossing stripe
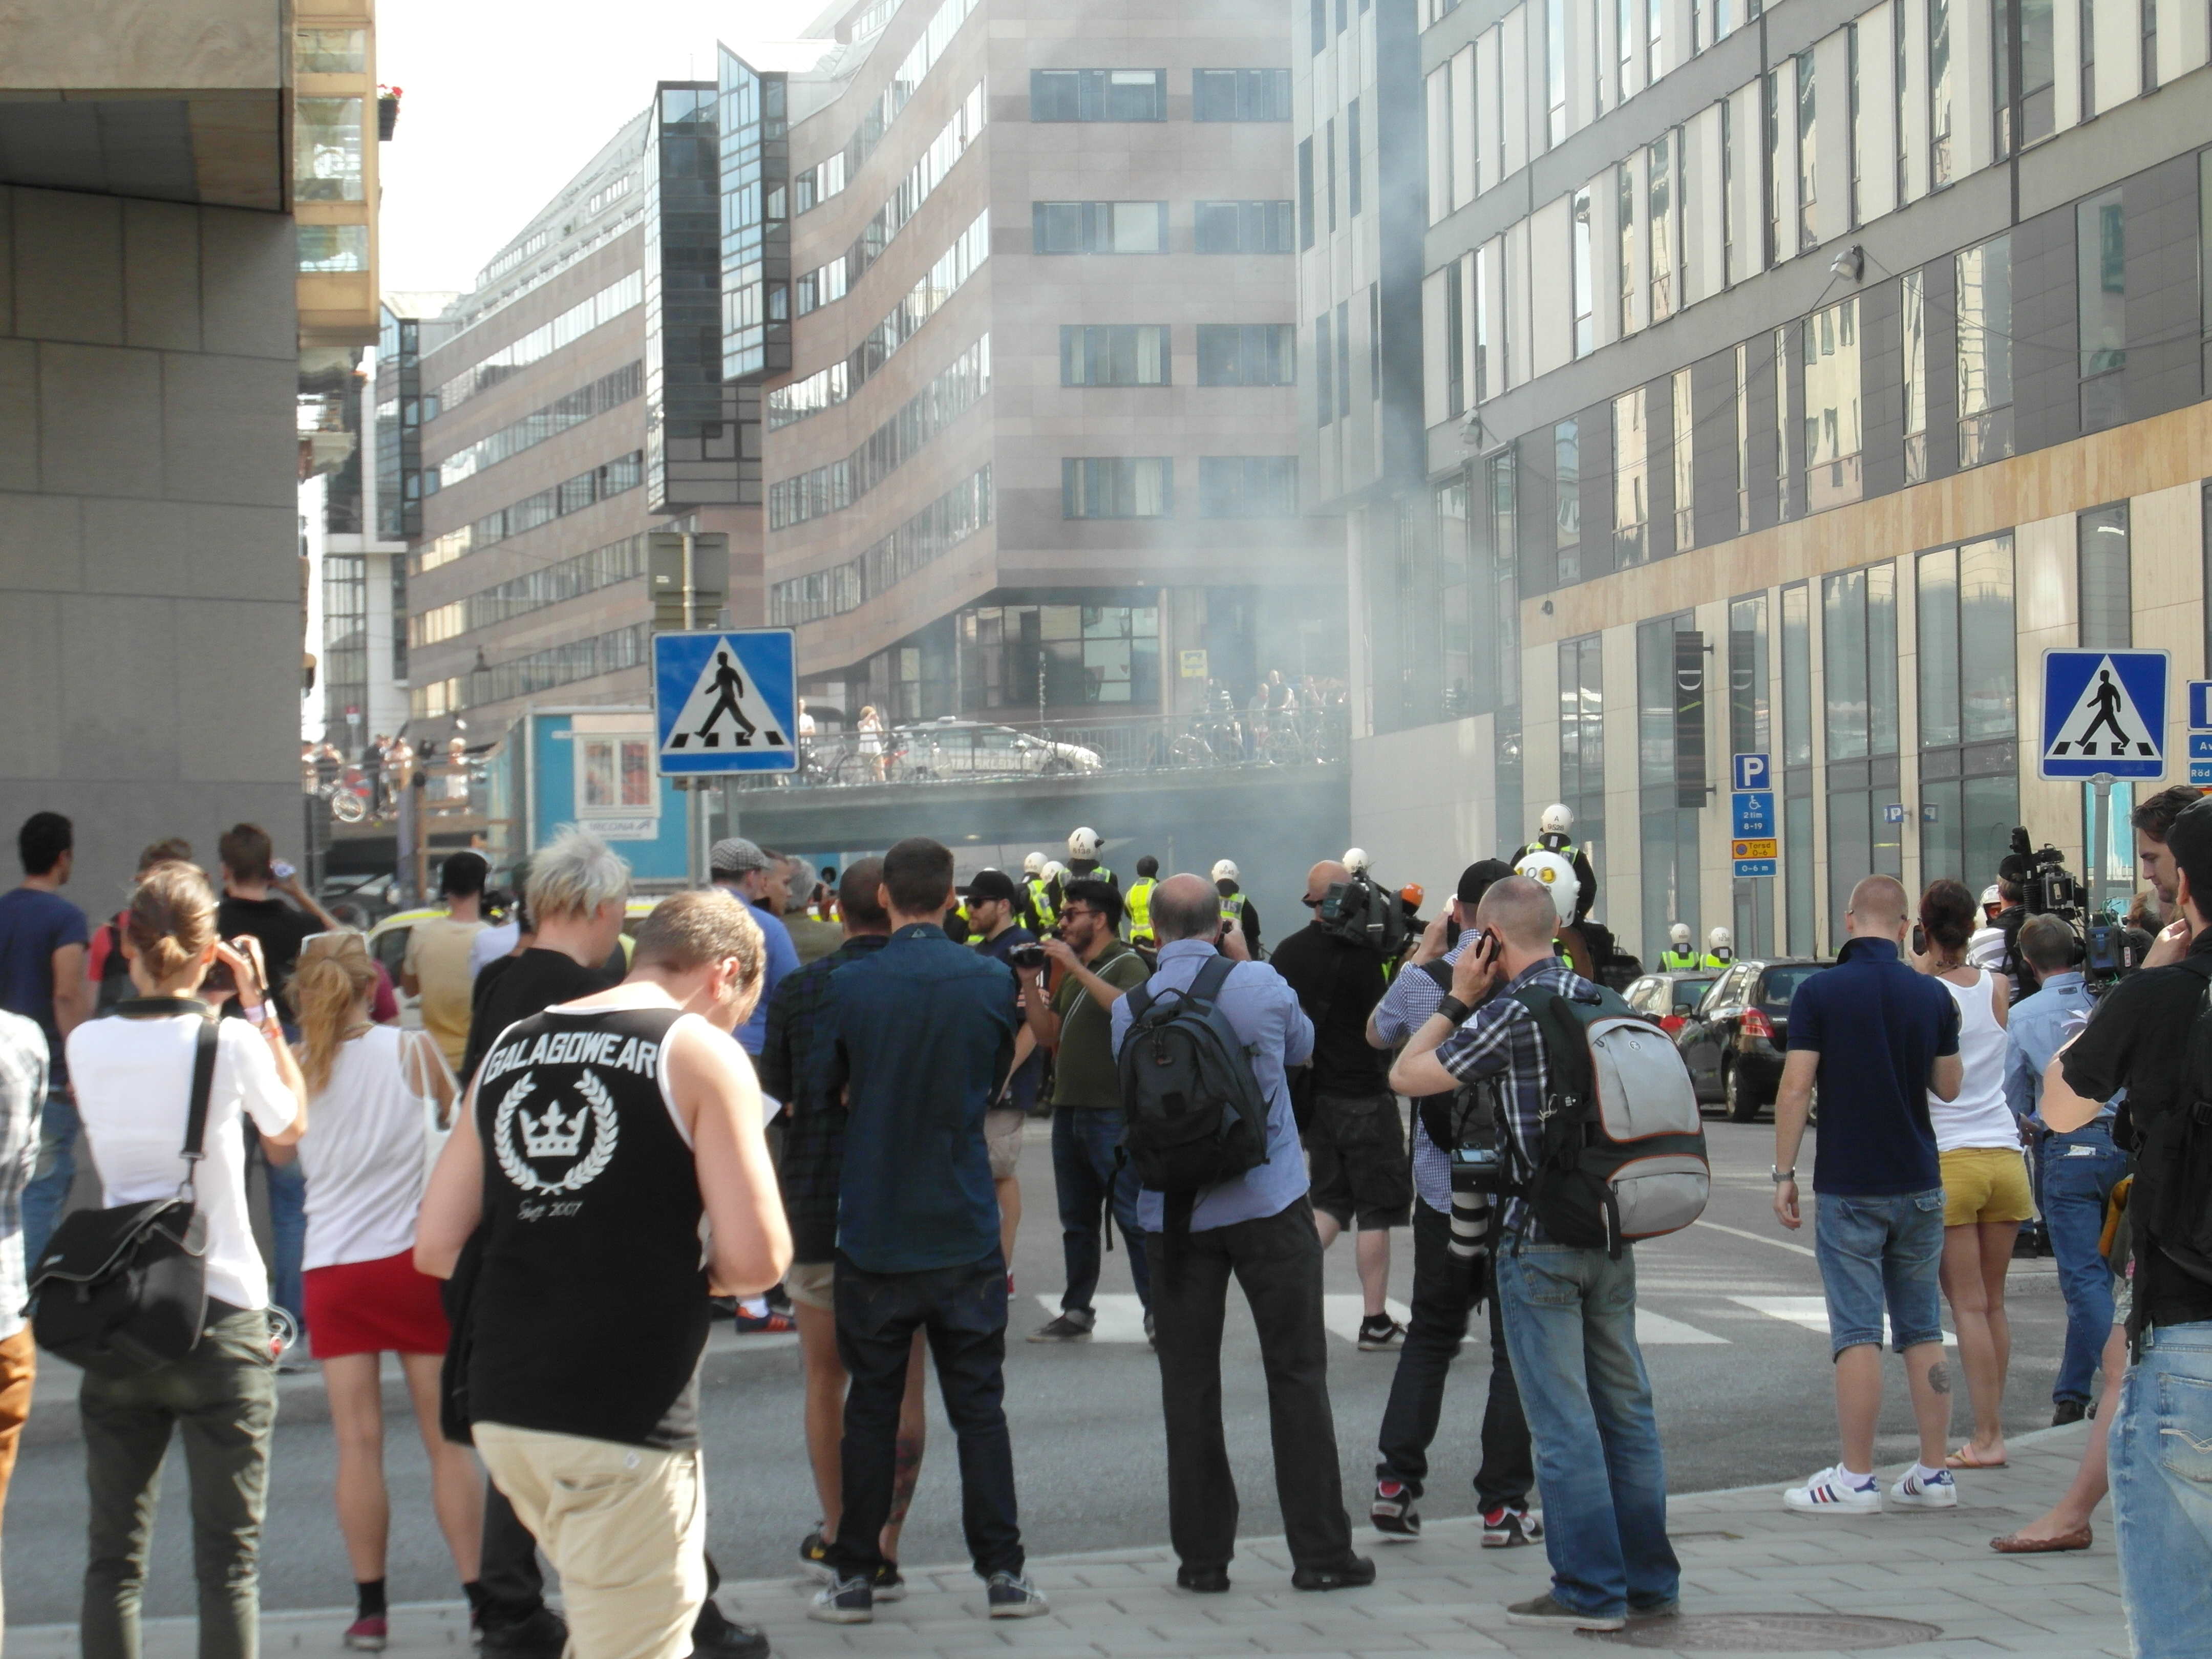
point(1121, 1318)
point(723, 701)
point(2104, 721)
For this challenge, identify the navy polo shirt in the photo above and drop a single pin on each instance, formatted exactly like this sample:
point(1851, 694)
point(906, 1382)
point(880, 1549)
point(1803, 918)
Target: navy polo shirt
point(1878, 1028)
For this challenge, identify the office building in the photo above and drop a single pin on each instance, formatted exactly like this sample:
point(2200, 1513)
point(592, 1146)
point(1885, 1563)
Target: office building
point(1789, 381)
point(1017, 277)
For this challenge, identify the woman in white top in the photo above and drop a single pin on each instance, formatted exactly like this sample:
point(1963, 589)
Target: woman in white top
point(381, 1096)
point(133, 1074)
point(1985, 1190)
point(870, 727)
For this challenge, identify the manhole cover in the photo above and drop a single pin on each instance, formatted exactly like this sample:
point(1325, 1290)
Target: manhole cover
point(1772, 1632)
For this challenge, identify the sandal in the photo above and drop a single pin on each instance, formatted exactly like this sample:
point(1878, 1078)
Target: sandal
point(2014, 1544)
point(1964, 1458)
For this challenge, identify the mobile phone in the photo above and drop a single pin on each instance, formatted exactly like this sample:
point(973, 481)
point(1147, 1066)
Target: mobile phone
point(1919, 940)
point(282, 871)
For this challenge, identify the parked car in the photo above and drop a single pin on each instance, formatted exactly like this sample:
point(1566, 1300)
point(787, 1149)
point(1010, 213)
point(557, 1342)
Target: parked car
point(1668, 1001)
point(953, 748)
point(1734, 1040)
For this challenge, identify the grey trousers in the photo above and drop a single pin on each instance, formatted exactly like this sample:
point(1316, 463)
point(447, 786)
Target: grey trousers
point(222, 1398)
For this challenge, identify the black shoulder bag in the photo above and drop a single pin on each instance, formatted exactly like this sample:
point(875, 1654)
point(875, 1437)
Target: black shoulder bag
point(123, 1291)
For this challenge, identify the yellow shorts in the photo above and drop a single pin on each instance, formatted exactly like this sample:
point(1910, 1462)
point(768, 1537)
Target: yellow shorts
point(810, 1285)
point(1985, 1184)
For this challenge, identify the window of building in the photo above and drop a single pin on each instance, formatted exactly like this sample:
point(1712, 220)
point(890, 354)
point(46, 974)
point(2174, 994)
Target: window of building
point(1117, 487)
point(1851, 138)
point(1743, 438)
point(1631, 40)
point(333, 247)
point(1830, 353)
point(1858, 631)
point(1099, 94)
point(1796, 758)
point(1555, 70)
point(1939, 94)
point(1232, 94)
point(614, 775)
point(1242, 227)
point(1305, 193)
point(1668, 829)
point(1749, 733)
point(1985, 349)
point(326, 149)
point(1247, 354)
point(2085, 46)
point(1686, 451)
point(1582, 741)
point(1583, 276)
point(2106, 591)
point(1455, 340)
point(1912, 336)
point(1351, 155)
point(1778, 245)
point(1344, 356)
point(1567, 500)
point(1808, 152)
point(1374, 345)
point(2149, 46)
point(1786, 503)
point(1099, 226)
point(2100, 251)
point(1324, 373)
point(331, 52)
point(1969, 708)
point(1455, 597)
point(1437, 104)
point(1659, 228)
point(1654, 21)
point(1317, 25)
point(1490, 374)
point(1628, 265)
point(1114, 353)
point(1631, 480)
point(1070, 654)
point(1247, 486)
point(2025, 68)
point(1498, 595)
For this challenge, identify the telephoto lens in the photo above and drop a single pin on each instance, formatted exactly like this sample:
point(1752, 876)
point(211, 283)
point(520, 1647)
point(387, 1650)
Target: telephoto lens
point(1476, 1172)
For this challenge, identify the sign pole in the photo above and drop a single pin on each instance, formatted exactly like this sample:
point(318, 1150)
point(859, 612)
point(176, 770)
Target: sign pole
point(695, 813)
point(2102, 818)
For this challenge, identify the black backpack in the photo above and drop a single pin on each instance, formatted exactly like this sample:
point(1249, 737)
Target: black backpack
point(115, 984)
point(123, 1291)
point(1195, 1114)
point(2173, 1155)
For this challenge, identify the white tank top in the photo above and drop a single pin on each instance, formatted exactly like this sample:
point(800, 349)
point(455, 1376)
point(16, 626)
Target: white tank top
point(1979, 1116)
point(367, 1153)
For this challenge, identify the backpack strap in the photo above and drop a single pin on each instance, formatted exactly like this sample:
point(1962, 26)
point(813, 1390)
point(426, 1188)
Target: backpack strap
point(204, 1052)
point(1206, 989)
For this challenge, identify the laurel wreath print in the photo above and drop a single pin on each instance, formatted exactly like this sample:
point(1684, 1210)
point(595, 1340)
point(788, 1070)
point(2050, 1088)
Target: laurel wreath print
point(587, 1169)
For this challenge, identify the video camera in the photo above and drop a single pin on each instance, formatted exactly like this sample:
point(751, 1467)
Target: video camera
point(1362, 911)
point(2104, 949)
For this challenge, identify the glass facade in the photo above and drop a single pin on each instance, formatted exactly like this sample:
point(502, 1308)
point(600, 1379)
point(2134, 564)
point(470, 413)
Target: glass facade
point(754, 185)
point(690, 424)
point(1668, 831)
point(1081, 653)
point(399, 426)
point(1582, 740)
point(1969, 708)
point(326, 144)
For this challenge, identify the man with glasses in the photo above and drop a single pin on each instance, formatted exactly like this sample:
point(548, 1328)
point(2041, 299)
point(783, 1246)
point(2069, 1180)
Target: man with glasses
point(1076, 1023)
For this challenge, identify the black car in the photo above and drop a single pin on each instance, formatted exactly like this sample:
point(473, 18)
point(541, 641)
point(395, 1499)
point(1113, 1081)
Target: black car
point(1668, 1001)
point(1734, 1040)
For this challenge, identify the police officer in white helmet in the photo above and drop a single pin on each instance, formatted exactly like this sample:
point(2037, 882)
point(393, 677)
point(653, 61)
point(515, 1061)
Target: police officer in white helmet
point(1720, 948)
point(1237, 911)
point(1681, 955)
point(1555, 834)
point(1083, 848)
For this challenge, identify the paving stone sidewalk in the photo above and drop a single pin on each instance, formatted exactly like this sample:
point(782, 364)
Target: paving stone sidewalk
point(1742, 1553)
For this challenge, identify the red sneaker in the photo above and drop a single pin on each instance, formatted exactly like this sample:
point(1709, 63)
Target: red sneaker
point(770, 1323)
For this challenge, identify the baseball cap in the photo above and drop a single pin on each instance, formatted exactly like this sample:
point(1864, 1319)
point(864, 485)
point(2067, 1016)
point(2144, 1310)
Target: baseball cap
point(1475, 880)
point(733, 855)
point(991, 885)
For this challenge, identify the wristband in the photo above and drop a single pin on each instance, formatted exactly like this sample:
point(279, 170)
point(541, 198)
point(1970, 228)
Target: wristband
point(1785, 1176)
point(253, 1010)
point(1454, 1010)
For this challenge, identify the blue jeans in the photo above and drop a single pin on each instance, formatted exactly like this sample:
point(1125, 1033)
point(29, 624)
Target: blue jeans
point(2161, 1468)
point(48, 1189)
point(1571, 1325)
point(2079, 1172)
point(1085, 1140)
point(1880, 1251)
point(287, 1230)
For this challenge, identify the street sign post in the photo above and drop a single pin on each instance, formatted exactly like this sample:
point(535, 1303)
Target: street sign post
point(1752, 812)
point(1755, 855)
point(1752, 822)
point(2104, 718)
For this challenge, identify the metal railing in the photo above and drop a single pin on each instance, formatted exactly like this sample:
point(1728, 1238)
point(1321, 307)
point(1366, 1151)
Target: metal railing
point(961, 751)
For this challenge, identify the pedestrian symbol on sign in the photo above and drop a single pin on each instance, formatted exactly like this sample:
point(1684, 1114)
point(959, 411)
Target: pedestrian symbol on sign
point(721, 692)
point(2103, 706)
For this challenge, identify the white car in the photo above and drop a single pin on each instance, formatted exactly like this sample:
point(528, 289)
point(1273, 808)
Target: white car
point(953, 748)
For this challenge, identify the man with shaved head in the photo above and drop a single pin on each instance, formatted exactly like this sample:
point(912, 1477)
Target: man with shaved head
point(1352, 1133)
point(1570, 1313)
point(1878, 1039)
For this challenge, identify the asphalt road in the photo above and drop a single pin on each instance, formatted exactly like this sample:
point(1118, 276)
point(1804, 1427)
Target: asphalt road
point(1729, 1311)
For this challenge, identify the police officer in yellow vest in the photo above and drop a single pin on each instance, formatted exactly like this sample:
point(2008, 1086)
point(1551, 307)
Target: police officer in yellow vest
point(1554, 834)
point(1237, 911)
point(1719, 949)
point(1036, 895)
point(1139, 902)
point(1082, 846)
point(1679, 958)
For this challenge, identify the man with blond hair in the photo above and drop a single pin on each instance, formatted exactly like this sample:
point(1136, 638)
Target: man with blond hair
point(1878, 1039)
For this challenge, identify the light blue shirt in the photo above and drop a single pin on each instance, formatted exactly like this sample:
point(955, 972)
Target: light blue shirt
point(1264, 1011)
point(2039, 1027)
point(782, 959)
point(1405, 1008)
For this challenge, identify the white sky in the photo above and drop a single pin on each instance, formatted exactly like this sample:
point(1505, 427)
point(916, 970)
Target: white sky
point(507, 99)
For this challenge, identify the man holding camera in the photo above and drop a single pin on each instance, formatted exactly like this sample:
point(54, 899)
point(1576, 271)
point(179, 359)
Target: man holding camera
point(1449, 1278)
point(2139, 1039)
point(993, 905)
point(1075, 1022)
point(1352, 1134)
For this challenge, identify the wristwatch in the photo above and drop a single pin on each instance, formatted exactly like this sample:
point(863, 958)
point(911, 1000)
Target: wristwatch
point(1781, 1176)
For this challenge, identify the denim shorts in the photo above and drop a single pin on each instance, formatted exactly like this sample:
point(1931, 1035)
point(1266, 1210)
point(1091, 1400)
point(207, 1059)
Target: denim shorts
point(1877, 1253)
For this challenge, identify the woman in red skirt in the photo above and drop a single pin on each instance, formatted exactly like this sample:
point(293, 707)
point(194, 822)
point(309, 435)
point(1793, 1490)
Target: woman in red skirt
point(386, 1096)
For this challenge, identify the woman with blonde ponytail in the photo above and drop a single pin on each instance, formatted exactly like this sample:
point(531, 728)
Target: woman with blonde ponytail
point(380, 1096)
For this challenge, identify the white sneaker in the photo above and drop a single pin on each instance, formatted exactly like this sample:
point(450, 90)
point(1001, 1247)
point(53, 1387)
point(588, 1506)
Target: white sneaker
point(1932, 1491)
point(1826, 1493)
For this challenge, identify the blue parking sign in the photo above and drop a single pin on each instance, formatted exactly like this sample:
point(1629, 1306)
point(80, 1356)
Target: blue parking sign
point(1753, 772)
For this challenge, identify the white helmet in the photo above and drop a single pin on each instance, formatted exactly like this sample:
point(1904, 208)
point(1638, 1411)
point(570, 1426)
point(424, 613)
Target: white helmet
point(1557, 874)
point(1224, 870)
point(1084, 844)
point(1992, 900)
point(1720, 939)
point(1355, 859)
point(1055, 870)
point(1680, 933)
point(1033, 865)
point(1557, 819)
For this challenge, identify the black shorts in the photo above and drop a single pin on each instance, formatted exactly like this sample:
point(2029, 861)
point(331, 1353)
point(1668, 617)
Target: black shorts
point(1360, 1171)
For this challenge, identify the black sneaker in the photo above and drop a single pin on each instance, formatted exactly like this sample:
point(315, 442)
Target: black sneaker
point(1507, 1526)
point(1393, 1513)
point(715, 1635)
point(887, 1584)
point(1548, 1611)
point(1073, 1326)
point(542, 1635)
point(1379, 1331)
point(844, 1602)
point(814, 1556)
point(1349, 1573)
point(2068, 1411)
point(1012, 1596)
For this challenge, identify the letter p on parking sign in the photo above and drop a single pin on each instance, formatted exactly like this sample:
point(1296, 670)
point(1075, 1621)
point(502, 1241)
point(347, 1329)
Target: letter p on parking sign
point(1753, 772)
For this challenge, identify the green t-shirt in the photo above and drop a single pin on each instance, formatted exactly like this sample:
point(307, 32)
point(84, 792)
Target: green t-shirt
point(1083, 1073)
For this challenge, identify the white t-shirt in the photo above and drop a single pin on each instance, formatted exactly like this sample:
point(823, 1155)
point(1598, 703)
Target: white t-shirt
point(492, 944)
point(134, 1080)
point(367, 1151)
point(1979, 1116)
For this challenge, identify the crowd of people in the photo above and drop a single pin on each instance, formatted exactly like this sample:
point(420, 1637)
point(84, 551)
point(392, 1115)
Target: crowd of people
point(797, 1099)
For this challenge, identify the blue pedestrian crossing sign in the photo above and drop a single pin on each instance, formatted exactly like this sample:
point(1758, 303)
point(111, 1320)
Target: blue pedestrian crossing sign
point(2103, 712)
point(726, 700)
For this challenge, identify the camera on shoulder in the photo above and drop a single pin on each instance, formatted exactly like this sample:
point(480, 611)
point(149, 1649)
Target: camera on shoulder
point(1360, 911)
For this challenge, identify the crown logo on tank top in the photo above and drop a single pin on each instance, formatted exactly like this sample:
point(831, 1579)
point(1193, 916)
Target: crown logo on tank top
point(524, 1140)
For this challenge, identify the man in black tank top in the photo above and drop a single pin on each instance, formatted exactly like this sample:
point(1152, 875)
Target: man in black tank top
point(611, 1136)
